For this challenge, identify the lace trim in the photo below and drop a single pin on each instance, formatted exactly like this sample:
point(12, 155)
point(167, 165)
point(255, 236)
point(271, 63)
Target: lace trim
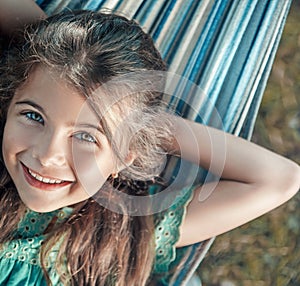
point(167, 226)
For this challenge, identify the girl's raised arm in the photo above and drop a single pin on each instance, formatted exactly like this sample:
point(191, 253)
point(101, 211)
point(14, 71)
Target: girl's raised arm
point(253, 181)
point(15, 13)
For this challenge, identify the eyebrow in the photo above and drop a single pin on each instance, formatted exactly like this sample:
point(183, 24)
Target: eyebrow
point(98, 128)
point(33, 104)
point(38, 107)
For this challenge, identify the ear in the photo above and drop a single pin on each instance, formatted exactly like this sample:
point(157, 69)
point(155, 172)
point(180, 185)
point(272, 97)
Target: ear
point(128, 161)
point(130, 158)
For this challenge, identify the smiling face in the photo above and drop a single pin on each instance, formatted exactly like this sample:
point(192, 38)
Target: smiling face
point(53, 146)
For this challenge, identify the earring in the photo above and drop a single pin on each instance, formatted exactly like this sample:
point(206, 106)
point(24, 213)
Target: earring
point(114, 175)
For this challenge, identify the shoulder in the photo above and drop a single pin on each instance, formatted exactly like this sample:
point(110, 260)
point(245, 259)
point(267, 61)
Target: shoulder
point(167, 229)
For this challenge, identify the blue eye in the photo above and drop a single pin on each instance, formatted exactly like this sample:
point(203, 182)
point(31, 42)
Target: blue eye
point(33, 116)
point(86, 137)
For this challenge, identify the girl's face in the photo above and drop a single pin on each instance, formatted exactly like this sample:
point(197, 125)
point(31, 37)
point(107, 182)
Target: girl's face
point(53, 146)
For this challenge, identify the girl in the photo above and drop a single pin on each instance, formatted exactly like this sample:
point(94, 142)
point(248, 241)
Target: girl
point(79, 119)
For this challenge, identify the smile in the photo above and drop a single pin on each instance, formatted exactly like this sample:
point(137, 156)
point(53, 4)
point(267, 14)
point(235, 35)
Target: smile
point(43, 179)
point(41, 182)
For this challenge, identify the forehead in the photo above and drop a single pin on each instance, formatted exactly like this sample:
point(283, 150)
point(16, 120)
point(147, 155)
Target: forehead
point(48, 90)
point(45, 83)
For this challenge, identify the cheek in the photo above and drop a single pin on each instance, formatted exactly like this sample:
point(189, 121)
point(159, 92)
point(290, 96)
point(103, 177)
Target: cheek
point(10, 142)
point(15, 139)
point(92, 169)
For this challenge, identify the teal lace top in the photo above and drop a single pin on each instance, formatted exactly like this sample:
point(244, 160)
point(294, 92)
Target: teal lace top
point(19, 259)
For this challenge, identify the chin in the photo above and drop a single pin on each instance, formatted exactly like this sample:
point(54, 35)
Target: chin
point(44, 204)
point(42, 209)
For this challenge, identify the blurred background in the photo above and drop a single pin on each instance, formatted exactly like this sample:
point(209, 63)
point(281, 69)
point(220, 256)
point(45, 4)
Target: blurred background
point(266, 251)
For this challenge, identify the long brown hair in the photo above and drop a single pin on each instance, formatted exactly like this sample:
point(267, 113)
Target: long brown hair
point(88, 49)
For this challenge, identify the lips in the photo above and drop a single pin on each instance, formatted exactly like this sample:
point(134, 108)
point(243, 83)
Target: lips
point(43, 179)
point(43, 183)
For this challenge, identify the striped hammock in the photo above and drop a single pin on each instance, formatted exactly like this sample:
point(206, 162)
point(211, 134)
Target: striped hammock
point(226, 48)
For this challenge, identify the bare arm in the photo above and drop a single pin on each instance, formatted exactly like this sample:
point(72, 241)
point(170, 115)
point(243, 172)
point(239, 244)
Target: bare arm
point(254, 180)
point(16, 13)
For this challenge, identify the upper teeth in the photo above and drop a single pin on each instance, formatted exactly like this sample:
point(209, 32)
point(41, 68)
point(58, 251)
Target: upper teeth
point(44, 180)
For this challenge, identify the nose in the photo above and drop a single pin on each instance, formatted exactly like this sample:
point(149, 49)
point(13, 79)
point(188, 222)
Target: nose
point(50, 150)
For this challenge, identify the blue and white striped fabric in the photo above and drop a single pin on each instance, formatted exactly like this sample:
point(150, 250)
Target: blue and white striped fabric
point(225, 47)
